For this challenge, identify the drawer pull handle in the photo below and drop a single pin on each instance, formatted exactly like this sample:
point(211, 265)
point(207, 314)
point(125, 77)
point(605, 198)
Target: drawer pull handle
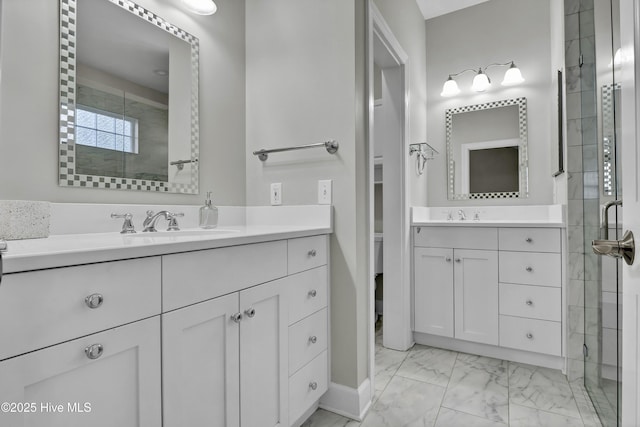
point(448, 259)
point(237, 317)
point(250, 312)
point(313, 385)
point(313, 293)
point(313, 339)
point(312, 253)
point(529, 302)
point(94, 351)
point(530, 335)
point(529, 240)
point(94, 300)
point(458, 260)
point(529, 269)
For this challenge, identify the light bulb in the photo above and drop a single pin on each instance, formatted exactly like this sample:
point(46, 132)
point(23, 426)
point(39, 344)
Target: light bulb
point(513, 76)
point(481, 82)
point(450, 88)
point(201, 7)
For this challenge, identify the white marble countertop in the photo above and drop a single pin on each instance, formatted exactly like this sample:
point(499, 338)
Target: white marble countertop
point(488, 223)
point(490, 216)
point(75, 249)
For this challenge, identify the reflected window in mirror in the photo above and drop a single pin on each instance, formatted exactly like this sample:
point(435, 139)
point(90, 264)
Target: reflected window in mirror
point(487, 150)
point(128, 99)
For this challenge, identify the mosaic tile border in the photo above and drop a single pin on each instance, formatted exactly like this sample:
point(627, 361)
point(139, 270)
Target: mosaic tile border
point(67, 106)
point(524, 162)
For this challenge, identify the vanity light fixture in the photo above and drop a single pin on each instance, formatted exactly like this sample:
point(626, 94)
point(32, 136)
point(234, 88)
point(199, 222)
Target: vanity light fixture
point(481, 81)
point(201, 7)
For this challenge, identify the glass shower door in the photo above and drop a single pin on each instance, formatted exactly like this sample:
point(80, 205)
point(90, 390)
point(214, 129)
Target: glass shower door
point(602, 214)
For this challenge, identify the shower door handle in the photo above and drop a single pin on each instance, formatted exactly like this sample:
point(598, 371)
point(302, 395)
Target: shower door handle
point(625, 248)
point(605, 217)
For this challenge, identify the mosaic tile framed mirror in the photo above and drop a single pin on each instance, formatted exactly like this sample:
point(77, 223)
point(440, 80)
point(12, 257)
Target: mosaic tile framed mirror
point(128, 99)
point(487, 150)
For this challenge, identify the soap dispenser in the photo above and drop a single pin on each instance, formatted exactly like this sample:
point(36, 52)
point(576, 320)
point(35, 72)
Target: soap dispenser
point(208, 214)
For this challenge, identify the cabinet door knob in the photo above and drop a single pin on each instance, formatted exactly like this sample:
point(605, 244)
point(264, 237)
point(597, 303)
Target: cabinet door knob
point(530, 335)
point(313, 339)
point(529, 302)
point(313, 293)
point(529, 269)
point(94, 300)
point(313, 385)
point(250, 312)
point(312, 253)
point(458, 260)
point(94, 351)
point(236, 317)
point(448, 259)
point(529, 240)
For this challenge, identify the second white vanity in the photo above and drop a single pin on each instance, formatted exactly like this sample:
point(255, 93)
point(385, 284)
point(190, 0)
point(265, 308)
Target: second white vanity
point(492, 287)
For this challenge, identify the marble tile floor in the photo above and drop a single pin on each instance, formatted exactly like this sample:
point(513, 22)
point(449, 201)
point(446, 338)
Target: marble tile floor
point(427, 386)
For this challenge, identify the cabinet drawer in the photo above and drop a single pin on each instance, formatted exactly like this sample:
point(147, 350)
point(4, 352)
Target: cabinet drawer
point(536, 302)
point(456, 237)
point(530, 268)
point(306, 253)
point(307, 339)
point(192, 277)
point(307, 386)
point(49, 305)
point(308, 293)
point(529, 239)
point(540, 336)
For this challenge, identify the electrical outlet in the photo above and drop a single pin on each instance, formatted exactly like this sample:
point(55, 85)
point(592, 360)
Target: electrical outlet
point(324, 192)
point(276, 193)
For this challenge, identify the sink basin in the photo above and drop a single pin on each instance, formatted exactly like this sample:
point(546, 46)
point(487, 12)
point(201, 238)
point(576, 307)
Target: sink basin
point(184, 233)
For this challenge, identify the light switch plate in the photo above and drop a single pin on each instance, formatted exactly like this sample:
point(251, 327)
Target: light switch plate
point(276, 193)
point(324, 192)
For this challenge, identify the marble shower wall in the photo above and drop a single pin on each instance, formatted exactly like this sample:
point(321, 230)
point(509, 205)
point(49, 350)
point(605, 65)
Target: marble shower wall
point(583, 191)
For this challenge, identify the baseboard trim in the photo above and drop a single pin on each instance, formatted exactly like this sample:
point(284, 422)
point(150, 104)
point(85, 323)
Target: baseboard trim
point(347, 401)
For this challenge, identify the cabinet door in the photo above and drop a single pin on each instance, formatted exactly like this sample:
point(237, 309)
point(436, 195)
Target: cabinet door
point(263, 355)
point(476, 295)
point(200, 367)
point(65, 388)
point(433, 290)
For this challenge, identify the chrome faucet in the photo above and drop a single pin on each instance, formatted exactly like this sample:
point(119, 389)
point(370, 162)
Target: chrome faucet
point(461, 215)
point(150, 221)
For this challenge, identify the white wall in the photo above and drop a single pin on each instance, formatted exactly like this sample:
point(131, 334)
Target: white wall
point(29, 104)
point(495, 31)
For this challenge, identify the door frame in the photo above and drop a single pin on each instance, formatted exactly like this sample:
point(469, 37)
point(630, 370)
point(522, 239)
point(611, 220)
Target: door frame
point(397, 308)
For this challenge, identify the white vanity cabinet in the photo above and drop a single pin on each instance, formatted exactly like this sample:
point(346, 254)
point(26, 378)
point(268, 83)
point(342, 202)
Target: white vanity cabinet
point(456, 283)
point(228, 360)
point(500, 286)
point(235, 336)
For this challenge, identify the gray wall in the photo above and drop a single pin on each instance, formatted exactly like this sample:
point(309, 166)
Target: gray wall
point(495, 31)
point(305, 84)
point(29, 104)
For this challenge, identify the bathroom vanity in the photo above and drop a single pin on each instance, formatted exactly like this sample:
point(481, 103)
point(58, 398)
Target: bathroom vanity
point(492, 287)
point(226, 328)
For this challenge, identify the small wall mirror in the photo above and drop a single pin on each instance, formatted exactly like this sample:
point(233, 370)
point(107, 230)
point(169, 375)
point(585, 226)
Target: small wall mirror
point(128, 99)
point(487, 150)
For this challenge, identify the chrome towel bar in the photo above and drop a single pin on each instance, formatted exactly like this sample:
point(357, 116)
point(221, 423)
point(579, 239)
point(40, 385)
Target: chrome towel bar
point(331, 146)
point(180, 163)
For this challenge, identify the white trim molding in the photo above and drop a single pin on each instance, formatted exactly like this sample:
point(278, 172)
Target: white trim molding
point(349, 402)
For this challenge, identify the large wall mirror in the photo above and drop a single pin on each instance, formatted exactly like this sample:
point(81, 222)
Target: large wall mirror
point(487, 150)
point(128, 99)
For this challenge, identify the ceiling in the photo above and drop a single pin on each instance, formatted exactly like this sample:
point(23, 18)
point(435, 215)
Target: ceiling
point(432, 8)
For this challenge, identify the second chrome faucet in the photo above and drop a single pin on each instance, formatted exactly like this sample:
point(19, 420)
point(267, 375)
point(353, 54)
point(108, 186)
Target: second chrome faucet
point(150, 221)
